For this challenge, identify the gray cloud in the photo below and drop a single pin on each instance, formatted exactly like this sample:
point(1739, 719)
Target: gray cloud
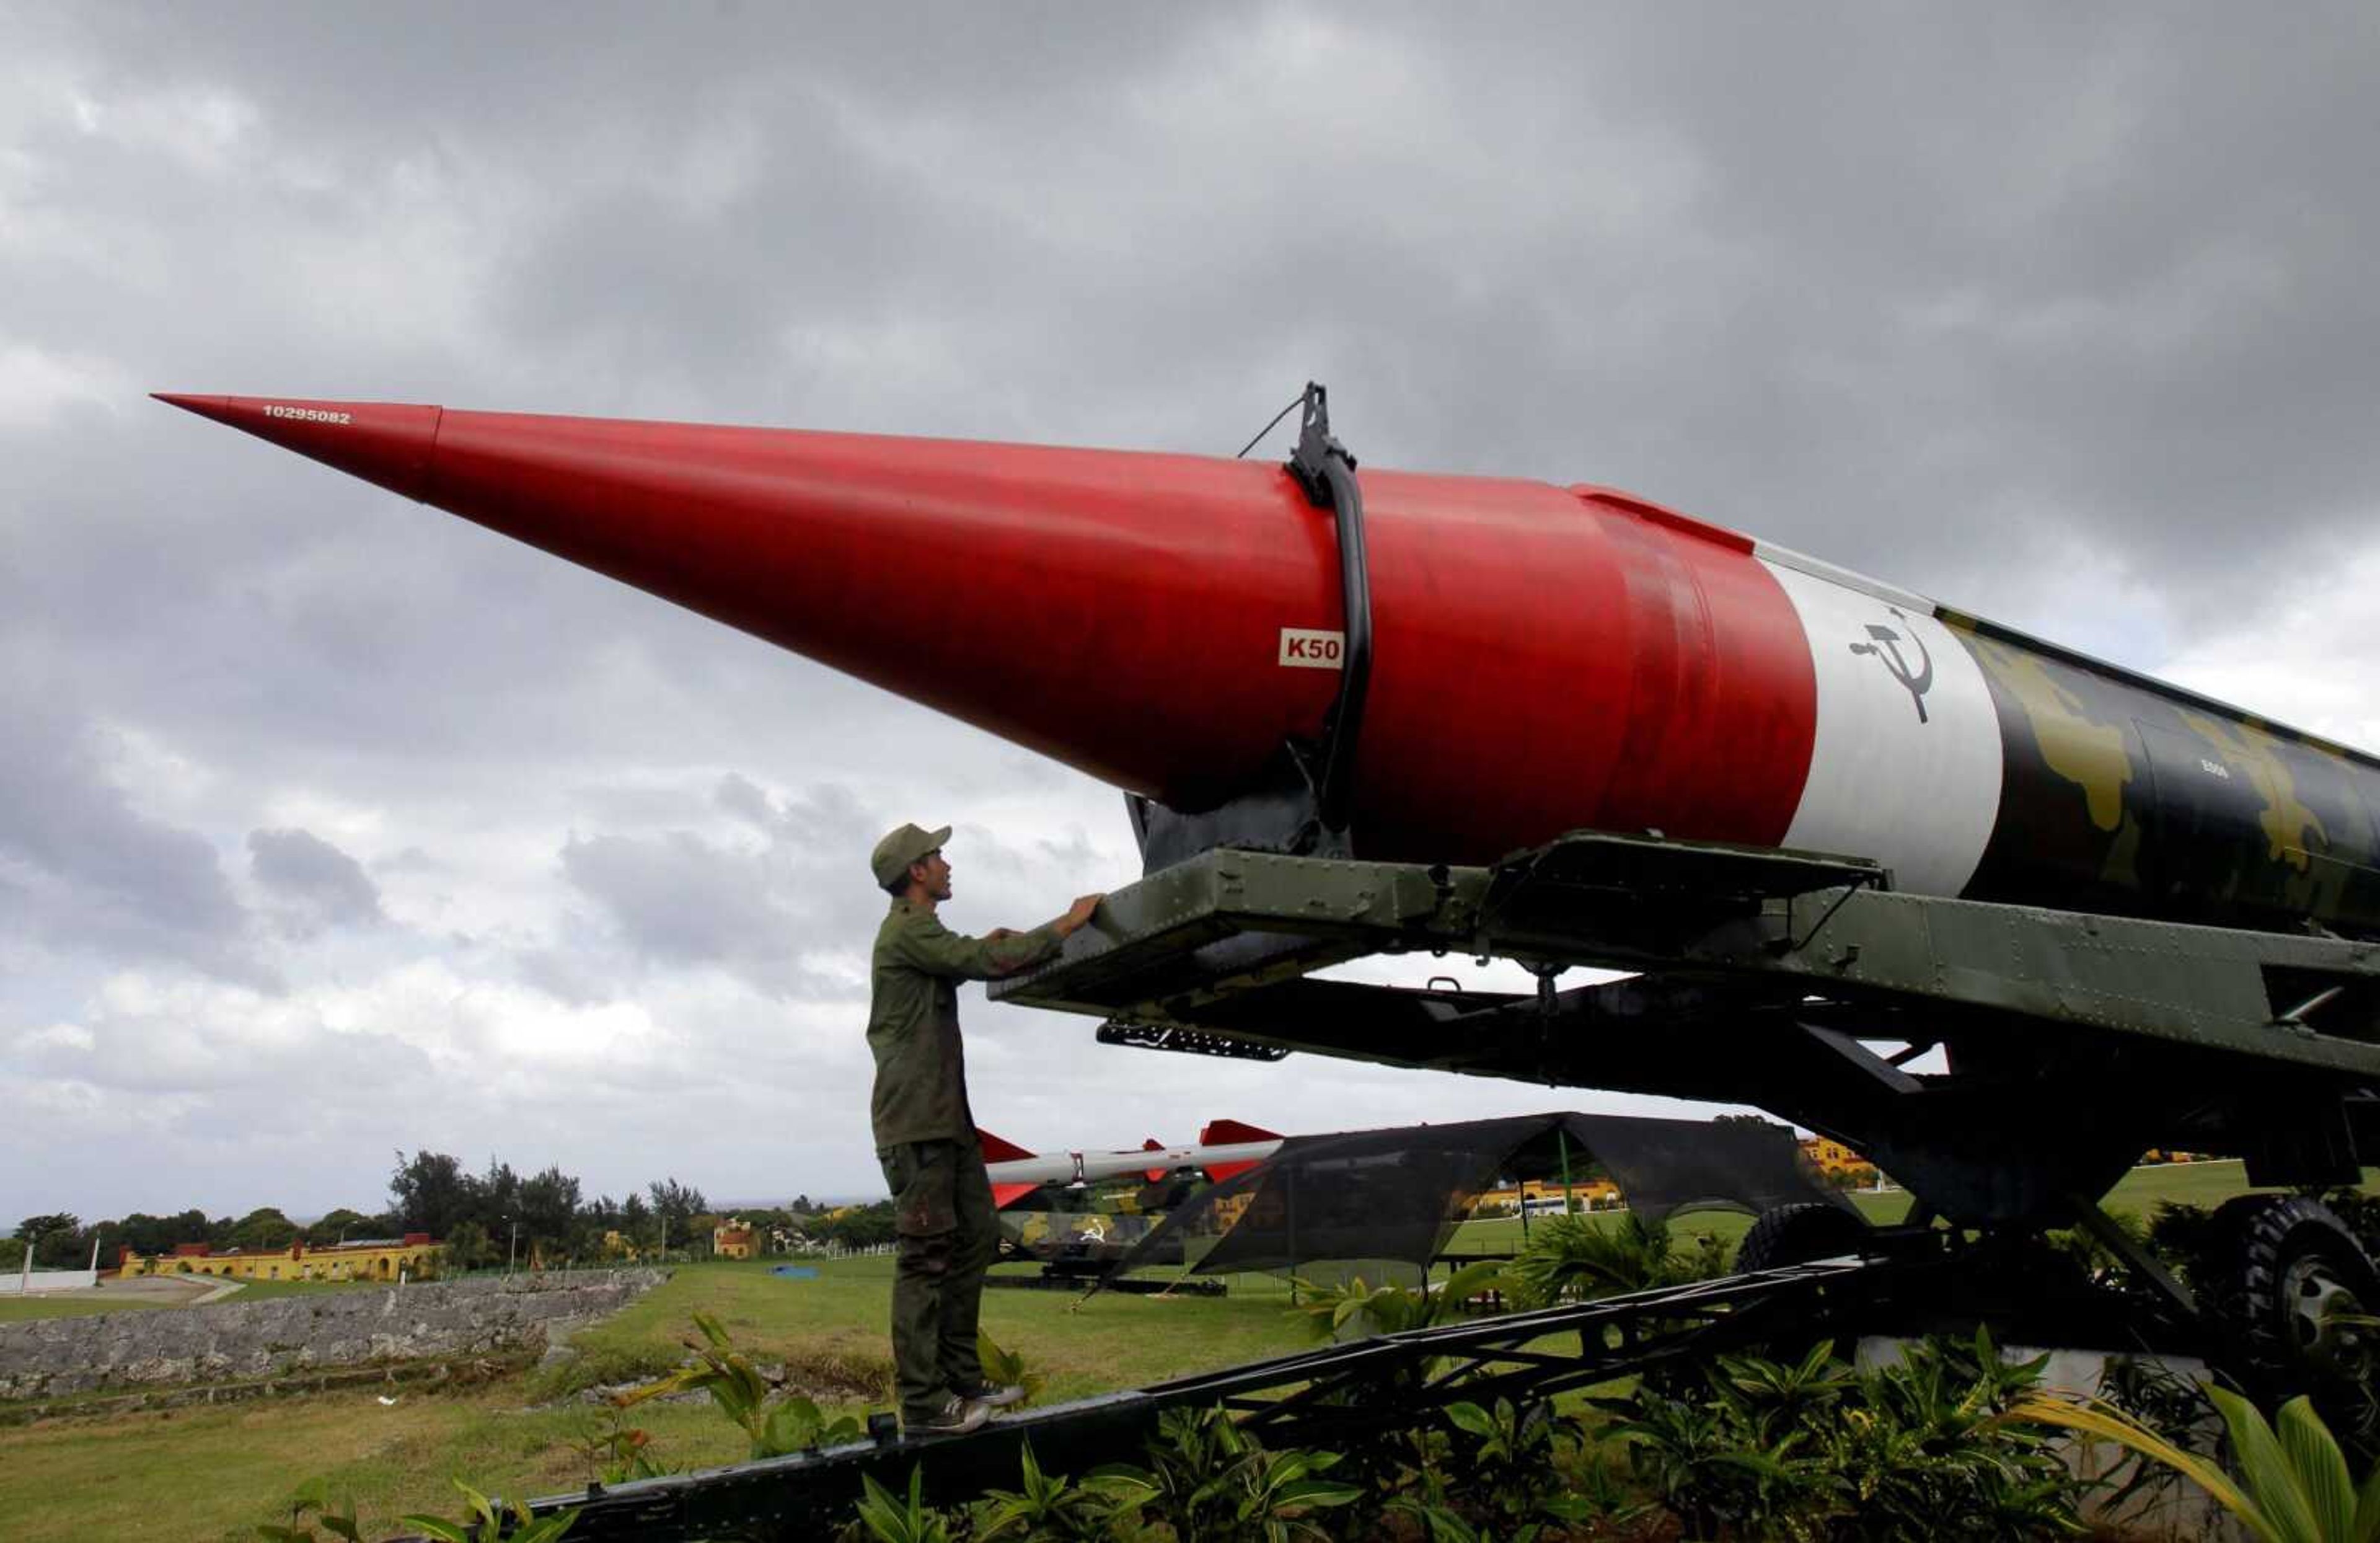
point(760, 910)
point(679, 898)
point(318, 885)
point(83, 871)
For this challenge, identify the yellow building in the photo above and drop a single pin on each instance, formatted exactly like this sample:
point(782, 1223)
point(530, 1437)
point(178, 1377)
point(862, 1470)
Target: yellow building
point(1589, 1193)
point(1833, 1159)
point(413, 1257)
point(732, 1239)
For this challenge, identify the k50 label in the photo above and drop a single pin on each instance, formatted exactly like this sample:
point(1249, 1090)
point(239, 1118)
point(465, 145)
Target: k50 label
point(1306, 648)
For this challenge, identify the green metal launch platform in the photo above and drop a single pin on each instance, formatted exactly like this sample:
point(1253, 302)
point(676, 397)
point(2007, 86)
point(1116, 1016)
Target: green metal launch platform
point(1800, 983)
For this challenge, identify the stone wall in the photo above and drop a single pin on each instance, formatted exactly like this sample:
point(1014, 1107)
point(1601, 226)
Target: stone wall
point(34, 1282)
point(231, 1341)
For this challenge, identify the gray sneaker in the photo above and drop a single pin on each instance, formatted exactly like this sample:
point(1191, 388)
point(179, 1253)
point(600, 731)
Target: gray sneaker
point(994, 1395)
point(956, 1417)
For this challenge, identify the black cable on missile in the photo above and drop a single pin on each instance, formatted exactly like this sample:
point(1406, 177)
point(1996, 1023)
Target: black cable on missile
point(1294, 403)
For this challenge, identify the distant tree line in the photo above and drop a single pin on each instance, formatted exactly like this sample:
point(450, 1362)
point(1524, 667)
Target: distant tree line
point(484, 1219)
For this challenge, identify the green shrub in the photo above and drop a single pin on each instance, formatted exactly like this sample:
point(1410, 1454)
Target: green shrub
point(484, 1523)
point(1576, 1257)
point(1207, 1480)
point(776, 1425)
point(603, 1366)
point(1922, 1448)
point(1353, 1310)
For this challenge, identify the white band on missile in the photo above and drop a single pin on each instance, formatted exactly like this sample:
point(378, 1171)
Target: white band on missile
point(1905, 763)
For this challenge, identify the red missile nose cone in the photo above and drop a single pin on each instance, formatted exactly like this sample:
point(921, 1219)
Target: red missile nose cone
point(386, 442)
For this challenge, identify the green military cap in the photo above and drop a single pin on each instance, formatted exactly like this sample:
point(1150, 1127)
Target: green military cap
point(901, 847)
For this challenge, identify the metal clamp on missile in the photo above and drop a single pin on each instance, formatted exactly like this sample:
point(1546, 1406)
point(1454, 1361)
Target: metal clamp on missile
point(1327, 472)
point(1304, 802)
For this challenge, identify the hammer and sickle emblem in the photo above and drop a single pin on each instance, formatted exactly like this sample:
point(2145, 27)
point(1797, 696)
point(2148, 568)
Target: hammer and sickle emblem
point(1885, 644)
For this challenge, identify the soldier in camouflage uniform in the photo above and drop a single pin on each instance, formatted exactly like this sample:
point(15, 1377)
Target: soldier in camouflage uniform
point(924, 1132)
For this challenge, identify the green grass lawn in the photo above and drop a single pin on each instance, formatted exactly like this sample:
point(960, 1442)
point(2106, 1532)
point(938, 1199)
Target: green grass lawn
point(217, 1472)
point(256, 1291)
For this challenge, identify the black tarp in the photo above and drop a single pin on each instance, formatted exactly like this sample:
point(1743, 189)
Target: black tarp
point(1398, 1193)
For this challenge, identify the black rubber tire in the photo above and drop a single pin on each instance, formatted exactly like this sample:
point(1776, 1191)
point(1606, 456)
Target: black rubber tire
point(1796, 1235)
point(2294, 1268)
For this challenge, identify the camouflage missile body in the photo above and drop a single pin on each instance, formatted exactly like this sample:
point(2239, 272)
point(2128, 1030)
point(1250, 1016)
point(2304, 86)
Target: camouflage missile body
point(1065, 1226)
point(2121, 794)
point(1052, 1236)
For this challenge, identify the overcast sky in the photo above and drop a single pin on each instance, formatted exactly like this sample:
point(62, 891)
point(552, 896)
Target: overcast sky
point(330, 824)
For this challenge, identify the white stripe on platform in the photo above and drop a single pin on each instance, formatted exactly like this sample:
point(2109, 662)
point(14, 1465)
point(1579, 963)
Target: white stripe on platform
point(1917, 794)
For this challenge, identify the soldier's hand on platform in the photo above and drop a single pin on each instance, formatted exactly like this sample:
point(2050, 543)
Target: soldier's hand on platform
point(1080, 913)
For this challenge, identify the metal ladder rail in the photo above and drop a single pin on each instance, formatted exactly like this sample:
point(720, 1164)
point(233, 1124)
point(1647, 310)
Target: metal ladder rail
point(1483, 1360)
point(791, 1495)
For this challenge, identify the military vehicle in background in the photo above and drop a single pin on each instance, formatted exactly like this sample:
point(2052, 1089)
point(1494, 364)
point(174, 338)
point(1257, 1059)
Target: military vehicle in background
point(1080, 1214)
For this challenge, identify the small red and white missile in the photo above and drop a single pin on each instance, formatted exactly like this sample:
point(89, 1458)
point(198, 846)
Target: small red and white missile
point(1544, 657)
point(1224, 1147)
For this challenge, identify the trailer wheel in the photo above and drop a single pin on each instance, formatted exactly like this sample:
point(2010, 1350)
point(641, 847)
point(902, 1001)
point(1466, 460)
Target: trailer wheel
point(2299, 1296)
point(1796, 1235)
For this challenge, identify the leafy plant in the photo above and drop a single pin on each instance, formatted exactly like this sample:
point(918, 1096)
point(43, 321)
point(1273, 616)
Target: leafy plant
point(2164, 1402)
point(1703, 1465)
point(776, 1426)
point(1054, 1506)
point(1007, 1368)
point(486, 1523)
point(1211, 1480)
point(315, 1495)
point(1503, 1458)
point(889, 1519)
point(1808, 1449)
point(1279, 1491)
point(1927, 1453)
point(1190, 1463)
point(2293, 1482)
point(1577, 1256)
point(614, 1451)
point(2085, 1248)
point(2191, 1241)
point(1445, 1524)
point(1355, 1310)
point(1707, 1257)
point(1772, 1398)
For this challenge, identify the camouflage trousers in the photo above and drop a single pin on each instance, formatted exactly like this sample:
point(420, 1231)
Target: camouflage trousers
point(947, 1236)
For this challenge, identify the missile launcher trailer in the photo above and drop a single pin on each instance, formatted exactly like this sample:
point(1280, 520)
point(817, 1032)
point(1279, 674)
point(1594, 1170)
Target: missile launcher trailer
point(1486, 717)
